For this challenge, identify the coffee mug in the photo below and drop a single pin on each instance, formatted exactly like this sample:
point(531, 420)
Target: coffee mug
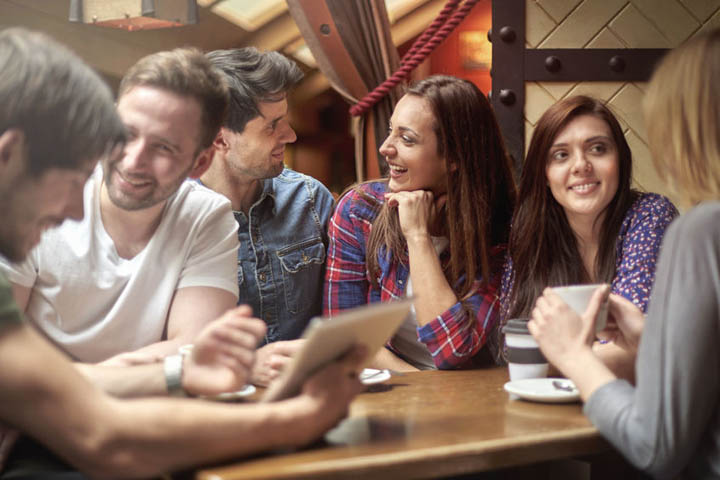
point(525, 360)
point(578, 297)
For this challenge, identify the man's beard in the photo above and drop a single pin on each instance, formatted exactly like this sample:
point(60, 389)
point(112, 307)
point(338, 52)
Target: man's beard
point(153, 197)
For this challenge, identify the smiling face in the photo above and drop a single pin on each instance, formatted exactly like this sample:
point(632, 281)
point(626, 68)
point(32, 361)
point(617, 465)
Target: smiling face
point(33, 204)
point(258, 151)
point(411, 148)
point(37, 205)
point(163, 131)
point(582, 167)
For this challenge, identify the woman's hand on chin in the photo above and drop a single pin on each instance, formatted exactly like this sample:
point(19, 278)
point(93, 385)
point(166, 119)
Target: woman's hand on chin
point(417, 211)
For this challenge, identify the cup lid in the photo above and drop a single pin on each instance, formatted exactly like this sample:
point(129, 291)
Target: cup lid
point(516, 325)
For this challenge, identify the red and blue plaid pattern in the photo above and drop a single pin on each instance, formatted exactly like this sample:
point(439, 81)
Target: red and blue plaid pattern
point(453, 337)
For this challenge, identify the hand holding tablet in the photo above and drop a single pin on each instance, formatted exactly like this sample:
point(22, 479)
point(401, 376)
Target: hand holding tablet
point(329, 338)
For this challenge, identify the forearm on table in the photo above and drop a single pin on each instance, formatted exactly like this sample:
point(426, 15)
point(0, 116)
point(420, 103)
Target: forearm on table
point(134, 381)
point(147, 437)
point(433, 295)
point(387, 359)
point(167, 347)
point(146, 440)
point(43, 396)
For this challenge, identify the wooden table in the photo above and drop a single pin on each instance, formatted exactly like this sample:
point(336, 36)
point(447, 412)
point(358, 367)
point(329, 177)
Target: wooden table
point(430, 424)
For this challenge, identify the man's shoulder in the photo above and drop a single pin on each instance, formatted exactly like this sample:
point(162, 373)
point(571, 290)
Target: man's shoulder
point(192, 195)
point(290, 177)
point(290, 181)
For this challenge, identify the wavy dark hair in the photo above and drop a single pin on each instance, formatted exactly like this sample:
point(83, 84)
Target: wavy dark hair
point(253, 77)
point(480, 185)
point(543, 247)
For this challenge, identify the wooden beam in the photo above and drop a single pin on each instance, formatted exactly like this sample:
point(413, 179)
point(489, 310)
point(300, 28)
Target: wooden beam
point(508, 75)
point(415, 22)
point(275, 35)
point(591, 64)
point(106, 55)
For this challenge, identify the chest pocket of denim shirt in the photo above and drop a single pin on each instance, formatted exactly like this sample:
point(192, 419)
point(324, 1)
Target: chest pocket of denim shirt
point(302, 265)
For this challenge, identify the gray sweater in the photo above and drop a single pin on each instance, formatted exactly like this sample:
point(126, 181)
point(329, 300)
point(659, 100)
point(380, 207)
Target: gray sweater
point(670, 423)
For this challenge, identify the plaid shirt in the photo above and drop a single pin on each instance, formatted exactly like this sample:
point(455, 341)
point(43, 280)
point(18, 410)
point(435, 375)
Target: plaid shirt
point(452, 338)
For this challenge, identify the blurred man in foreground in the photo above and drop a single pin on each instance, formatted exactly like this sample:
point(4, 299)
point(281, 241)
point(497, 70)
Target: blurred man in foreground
point(57, 120)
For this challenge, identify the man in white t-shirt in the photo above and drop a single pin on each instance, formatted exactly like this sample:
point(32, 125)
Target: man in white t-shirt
point(57, 120)
point(153, 260)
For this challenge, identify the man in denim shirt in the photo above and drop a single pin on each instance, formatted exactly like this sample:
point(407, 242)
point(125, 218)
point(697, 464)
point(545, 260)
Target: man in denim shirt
point(282, 214)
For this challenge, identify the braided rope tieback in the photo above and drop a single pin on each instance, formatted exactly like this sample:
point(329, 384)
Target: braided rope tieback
point(438, 31)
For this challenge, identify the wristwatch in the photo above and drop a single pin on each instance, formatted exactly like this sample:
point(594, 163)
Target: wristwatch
point(173, 366)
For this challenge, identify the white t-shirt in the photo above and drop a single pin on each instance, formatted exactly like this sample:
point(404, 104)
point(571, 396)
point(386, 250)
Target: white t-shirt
point(94, 304)
point(405, 339)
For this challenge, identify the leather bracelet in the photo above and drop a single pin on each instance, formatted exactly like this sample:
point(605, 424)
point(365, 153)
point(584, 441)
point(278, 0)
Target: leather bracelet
point(173, 367)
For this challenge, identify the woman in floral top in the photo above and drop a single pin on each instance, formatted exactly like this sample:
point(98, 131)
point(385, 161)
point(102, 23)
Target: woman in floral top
point(577, 219)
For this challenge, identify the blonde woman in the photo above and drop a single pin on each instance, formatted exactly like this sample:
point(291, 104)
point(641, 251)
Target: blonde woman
point(669, 423)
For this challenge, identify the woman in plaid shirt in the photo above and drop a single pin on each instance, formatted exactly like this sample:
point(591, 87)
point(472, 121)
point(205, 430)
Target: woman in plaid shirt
point(436, 228)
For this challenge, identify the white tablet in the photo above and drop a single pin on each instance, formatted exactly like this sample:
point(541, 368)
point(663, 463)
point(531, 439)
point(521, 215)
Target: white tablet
point(329, 338)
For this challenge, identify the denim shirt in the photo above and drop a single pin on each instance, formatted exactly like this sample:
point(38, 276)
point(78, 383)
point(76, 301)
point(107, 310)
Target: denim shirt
point(281, 259)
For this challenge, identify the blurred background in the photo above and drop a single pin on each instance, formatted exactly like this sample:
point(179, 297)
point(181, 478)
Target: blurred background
point(324, 148)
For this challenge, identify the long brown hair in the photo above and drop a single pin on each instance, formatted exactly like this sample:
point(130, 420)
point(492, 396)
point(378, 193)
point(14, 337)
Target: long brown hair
point(480, 186)
point(543, 247)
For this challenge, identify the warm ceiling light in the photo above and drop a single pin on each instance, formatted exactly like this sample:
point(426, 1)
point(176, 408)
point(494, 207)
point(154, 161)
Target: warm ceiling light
point(134, 14)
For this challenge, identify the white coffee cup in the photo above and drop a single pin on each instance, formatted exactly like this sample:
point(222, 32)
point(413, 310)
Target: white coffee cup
point(525, 360)
point(578, 297)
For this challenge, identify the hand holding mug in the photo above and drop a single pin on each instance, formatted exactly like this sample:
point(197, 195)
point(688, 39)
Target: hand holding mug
point(625, 323)
point(559, 330)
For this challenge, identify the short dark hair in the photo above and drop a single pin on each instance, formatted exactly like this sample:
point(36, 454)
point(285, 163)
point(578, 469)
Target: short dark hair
point(185, 72)
point(254, 77)
point(63, 108)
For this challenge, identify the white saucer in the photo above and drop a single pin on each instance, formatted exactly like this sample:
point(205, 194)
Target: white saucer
point(543, 390)
point(227, 396)
point(371, 376)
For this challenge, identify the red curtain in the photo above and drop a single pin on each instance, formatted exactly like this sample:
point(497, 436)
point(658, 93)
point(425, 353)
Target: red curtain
point(350, 40)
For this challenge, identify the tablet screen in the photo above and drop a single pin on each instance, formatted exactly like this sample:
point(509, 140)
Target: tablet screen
point(329, 338)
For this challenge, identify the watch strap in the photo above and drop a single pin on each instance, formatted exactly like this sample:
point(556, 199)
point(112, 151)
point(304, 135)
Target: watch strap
point(173, 367)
